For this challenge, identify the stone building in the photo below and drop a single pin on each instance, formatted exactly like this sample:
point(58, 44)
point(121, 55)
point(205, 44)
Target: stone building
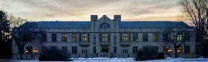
point(105, 37)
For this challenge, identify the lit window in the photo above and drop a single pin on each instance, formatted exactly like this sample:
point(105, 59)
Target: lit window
point(64, 37)
point(105, 37)
point(125, 37)
point(155, 37)
point(179, 49)
point(179, 37)
point(85, 37)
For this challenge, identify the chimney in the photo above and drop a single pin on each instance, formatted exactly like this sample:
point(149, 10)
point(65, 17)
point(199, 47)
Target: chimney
point(94, 17)
point(117, 17)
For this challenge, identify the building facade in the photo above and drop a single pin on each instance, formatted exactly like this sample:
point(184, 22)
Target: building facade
point(105, 37)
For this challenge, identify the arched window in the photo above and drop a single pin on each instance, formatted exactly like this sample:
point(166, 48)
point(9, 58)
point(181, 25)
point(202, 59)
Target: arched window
point(104, 26)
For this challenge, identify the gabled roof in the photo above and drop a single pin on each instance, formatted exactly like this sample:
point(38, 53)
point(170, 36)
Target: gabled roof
point(152, 24)
point(104, 18)
point(61, 24)
point(122, 24)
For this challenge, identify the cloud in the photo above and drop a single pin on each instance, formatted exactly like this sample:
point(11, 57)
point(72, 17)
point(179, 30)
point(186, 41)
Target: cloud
point(82, 9)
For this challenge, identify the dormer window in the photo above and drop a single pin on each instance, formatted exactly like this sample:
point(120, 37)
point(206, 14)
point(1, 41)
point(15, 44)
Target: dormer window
point(104, 26)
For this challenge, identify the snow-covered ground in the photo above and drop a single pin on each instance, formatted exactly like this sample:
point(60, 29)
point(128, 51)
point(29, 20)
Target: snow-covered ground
point(122, 60)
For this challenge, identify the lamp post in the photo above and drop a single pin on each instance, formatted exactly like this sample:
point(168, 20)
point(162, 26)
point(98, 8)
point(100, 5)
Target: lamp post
point(169, 51)
point(26, 53)
point(35, 52)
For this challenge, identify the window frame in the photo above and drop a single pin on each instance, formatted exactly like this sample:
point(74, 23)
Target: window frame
point(64, 37)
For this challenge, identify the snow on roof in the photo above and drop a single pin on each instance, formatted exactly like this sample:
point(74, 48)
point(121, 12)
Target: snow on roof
point(122, 24)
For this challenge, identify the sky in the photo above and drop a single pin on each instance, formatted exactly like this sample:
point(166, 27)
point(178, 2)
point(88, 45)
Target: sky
point(80, 10)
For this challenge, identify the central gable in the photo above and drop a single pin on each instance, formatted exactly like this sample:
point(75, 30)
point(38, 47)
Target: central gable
point(104, 22)
point(104, 18)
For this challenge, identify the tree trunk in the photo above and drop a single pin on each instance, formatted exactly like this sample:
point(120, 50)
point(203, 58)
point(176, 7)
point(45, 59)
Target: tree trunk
point(21, 52)
point(176, 54)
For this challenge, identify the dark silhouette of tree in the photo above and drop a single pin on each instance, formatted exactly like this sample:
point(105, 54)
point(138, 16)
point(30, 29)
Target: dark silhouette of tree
point(4, 24)
point(160, 56)
point(177, 36)
point(139, 55)
point(5, 41)
point(54, 54)
point(16, 21)
point(24, 34)
point(197, 12)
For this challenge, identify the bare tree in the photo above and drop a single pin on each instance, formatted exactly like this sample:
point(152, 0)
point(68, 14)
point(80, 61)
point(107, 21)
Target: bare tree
point(197, 11)
point(176, 36)
point(24, 34)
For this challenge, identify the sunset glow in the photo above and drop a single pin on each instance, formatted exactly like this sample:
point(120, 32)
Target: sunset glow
point(80, 10)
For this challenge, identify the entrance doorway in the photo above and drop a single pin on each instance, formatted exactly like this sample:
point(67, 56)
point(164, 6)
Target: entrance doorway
point(105, 50)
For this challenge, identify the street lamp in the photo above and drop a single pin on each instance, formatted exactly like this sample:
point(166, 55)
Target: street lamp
point(26, 53)
point(169, 51)
point(36, 53)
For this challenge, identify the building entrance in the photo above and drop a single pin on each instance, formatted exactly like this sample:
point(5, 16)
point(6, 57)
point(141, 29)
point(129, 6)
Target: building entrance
point(105, 50)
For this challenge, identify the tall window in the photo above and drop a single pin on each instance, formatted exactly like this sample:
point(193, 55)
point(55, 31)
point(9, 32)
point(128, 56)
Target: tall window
point(145, 37)
point(187, 36)
point(187, 49)
point(165, 37)
point(155, 37)
point(125, 37)
point(64, 37)
point(179, 37)
point(104, 26)
point(74, 49)
point(54, 37)
point(44, 37)
point(29, 50)
point(135, 49)
point(125, 51)
point(115, 49)
point(94, 49)
point(135, 37)
point(64, 48)
point(85, 37)
point(74, 37)
point(84, 51)
point(179, 50)
point(105, 37)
